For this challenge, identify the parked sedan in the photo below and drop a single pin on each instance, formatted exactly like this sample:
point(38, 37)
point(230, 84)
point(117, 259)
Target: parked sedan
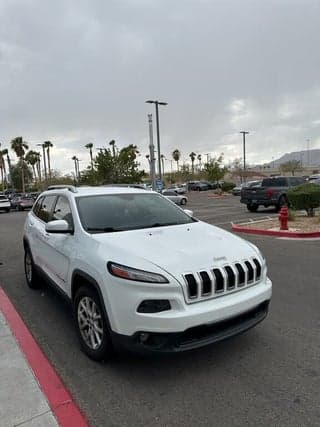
point(22, 203)
point(174, 197)
point(4, 203)
point(178, 190)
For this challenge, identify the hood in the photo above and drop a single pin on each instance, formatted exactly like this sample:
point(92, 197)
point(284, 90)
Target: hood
point(176, 249)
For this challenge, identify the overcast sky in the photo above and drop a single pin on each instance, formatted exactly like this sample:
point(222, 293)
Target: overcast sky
point(76, 71)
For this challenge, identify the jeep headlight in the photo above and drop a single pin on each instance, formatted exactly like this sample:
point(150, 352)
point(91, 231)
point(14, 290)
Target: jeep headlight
point(130, 273)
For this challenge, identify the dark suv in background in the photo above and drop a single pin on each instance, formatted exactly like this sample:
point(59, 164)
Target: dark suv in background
point(272, 192)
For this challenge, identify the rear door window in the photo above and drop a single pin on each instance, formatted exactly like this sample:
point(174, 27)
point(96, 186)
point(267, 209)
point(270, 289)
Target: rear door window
point(45, 210)
point(276, 182)
point(62, 210)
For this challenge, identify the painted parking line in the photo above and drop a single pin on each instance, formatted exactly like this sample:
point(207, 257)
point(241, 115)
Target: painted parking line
point(59, 398)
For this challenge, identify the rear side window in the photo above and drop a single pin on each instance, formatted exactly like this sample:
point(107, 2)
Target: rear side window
point(37, 206)
point(45, 210)
point(276, 182)
point(62, 210)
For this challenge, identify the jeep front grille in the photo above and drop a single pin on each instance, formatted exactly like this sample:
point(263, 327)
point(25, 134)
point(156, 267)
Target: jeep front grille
point(206, 284)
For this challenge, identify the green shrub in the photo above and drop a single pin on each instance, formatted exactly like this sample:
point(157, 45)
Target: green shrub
point(227, 186)
point(305, 196)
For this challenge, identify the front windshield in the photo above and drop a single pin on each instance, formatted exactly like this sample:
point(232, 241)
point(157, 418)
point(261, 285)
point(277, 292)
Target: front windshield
point(120, 212)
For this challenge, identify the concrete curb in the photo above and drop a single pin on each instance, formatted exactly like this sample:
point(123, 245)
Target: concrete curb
point(260, 231)
point(59, 398)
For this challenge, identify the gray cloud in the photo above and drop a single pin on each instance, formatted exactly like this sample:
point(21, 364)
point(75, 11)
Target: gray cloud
point(80, 71)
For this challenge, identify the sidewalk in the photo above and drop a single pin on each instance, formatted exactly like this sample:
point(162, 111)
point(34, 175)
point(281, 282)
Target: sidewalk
point(31, 393)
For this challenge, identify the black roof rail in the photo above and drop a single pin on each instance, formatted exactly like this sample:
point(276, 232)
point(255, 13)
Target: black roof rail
point(61, 187)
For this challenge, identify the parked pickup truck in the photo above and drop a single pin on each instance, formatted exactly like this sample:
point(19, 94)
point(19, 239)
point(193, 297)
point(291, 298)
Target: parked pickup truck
point(272, 192)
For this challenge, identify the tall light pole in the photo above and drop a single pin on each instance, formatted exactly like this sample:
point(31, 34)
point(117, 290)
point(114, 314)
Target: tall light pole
point(157, 103)
point(152, 160)
point(244, 133)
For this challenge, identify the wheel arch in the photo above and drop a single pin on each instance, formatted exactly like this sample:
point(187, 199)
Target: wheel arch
point(81, 278)
point(25, 243)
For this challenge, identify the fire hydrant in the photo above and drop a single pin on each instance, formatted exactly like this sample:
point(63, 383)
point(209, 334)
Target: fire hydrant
point(283, 218)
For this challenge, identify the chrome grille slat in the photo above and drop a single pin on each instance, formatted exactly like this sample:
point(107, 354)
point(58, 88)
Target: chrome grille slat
point(205, 284)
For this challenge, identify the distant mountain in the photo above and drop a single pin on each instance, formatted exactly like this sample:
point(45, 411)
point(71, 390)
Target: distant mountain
point(308, 158)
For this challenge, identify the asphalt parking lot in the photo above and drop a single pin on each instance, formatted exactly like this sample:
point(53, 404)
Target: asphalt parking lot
point(267, 376)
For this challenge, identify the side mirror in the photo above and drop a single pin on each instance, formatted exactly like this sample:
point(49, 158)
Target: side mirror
point(188, 212)
point(59, 226)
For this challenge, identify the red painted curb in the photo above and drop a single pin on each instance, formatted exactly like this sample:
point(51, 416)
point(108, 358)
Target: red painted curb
point(59, 398)
point(260, 231)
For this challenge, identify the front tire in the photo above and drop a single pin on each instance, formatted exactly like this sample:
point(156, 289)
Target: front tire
point(252, 208)
point(183, 201)
point(92, 326)
point(31, 274)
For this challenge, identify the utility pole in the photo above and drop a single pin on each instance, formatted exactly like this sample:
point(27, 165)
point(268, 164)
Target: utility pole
point(244, 133)
point(308, 150)
point(152, 158)
point(157, 103)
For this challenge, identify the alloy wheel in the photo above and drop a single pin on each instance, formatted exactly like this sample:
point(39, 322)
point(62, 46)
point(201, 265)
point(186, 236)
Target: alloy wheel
point(90, 322)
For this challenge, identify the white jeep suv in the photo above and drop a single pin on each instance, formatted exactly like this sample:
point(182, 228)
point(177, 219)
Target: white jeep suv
point(141, 272)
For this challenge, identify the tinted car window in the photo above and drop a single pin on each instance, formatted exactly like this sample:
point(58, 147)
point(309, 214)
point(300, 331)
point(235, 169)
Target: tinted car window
point(45, 210)
point(276, 182)
point(37, 206)
point(169, 193)
point(119, 212)
point(62, 210)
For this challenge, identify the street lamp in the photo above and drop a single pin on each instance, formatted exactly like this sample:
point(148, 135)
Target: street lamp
point(157, 103)
point(244, 133)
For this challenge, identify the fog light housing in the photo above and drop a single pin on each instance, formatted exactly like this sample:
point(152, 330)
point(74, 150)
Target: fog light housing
point(144, 337)
point(154, 306)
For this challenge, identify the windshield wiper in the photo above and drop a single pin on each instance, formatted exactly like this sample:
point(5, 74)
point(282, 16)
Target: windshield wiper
point(163, 224)
point(102, 229)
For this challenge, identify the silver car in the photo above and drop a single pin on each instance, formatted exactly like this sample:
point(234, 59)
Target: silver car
point(174, 197)
point(4, 203)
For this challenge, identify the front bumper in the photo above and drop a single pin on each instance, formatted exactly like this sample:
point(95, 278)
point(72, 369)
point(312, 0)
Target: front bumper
point(125, 300)
point(195, 337)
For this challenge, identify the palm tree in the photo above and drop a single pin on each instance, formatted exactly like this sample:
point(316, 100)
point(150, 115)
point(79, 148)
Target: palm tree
point(19, 147)
point(89, 146)
point(199, 160)
point(32, 159)
point(38, 165)
point(2, 166)
point(4, 153)
point(113, 143)
point(48, 145)
point(176, 157)
point(192, 156)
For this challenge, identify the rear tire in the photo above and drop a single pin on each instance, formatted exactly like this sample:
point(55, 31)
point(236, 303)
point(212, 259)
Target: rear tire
point(31, 274)
point(92, 325)
point(183, 201)
point(282, 202)
point(252, 208)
